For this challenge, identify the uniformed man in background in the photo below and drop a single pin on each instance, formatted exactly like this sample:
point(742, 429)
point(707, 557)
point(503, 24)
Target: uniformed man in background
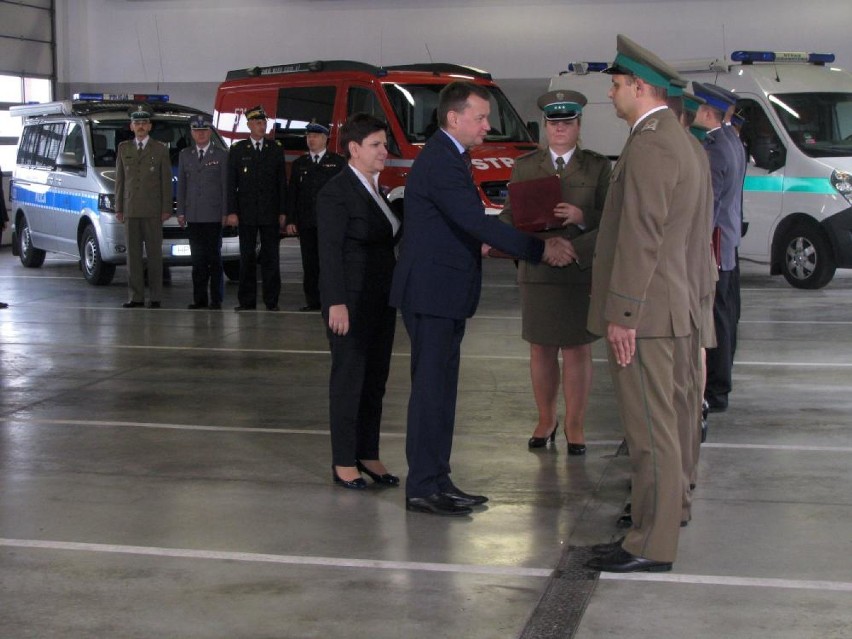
point(308, 175)
point(641, 300)
point(143, 201)
point(202, 200)
point(257, 194)
point(727, 167)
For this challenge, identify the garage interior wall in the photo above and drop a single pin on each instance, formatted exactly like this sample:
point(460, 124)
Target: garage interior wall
point(185, 47)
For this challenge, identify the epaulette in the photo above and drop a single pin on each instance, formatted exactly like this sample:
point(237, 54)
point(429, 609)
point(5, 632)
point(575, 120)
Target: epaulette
point(594, 154)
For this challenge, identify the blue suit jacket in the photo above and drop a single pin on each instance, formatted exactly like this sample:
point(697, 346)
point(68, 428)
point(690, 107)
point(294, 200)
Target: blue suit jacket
point(725, 169)
point(439, 271)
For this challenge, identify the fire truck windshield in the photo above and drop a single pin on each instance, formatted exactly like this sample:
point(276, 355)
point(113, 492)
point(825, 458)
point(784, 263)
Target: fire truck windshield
point(416, 105)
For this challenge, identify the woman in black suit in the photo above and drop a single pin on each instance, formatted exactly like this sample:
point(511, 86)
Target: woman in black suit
point(357, 233)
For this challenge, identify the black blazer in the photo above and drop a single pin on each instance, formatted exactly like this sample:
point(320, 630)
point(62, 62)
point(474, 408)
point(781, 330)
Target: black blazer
point(356, 243)
point(257, 184)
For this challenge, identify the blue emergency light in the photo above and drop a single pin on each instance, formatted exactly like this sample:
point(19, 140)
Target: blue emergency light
point(750, 57)
point(588, 67)
point(125, 97)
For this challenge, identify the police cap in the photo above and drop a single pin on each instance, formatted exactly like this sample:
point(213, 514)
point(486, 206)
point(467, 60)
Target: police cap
point(198, 122)
point(714, 95)
point(562, 104)
point(313, 127)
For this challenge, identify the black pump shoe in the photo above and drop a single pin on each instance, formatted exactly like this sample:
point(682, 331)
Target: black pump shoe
point(576, 449)
point(385, 479)
point(355, 484)
point(541, 442)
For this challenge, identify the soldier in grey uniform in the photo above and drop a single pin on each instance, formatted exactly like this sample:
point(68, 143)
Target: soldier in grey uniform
point(202, 200)
point(727, 166)
point(641, 299)
point(257, 193)
point(555, 301)
point(143, 201)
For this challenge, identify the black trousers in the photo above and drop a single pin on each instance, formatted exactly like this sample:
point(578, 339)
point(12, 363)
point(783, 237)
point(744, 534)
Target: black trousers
point(309, 243)
point(360, 363)
point(720, 360)
point(268, 258)
point(205, 242)
point(435, 358)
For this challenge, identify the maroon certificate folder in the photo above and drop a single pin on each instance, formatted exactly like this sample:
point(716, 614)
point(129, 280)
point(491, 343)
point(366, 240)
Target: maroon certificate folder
point(533, 202)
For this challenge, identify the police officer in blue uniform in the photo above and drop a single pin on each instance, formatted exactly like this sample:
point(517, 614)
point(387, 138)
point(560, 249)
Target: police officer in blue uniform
point(257, 194)
point(308, 175)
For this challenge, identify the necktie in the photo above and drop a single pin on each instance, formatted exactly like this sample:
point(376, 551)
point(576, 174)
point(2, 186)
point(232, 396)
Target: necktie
point(141, 147)
point(316, 159)
point(201, 155)
point(560, 166)
point(257, 146)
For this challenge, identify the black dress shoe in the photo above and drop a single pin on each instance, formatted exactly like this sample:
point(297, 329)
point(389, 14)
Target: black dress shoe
point(620, 560)
point(272, 307)
point(215, 306)
point(541, 442)
point(716, 403)
point(626, 521)
point(133, 305)
point(355, 484)
point(310, 307)
point(153, 305)
point(605, 549)
point(194, 306)
point(4, 305)
point(385, 479)
point(461, 498)
point(437, 504)
point(244, 308)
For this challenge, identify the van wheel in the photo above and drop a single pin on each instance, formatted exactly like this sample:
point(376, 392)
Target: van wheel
point(232, 270)
point(808, 259)
point(95, 270)
point(31, 257)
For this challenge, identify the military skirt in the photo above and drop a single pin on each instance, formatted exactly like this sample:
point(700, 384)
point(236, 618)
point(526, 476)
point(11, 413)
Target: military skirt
point(555, 314)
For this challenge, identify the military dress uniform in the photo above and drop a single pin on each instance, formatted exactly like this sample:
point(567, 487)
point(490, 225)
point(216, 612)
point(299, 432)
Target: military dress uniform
point(555, 301)
point(257, 188)
point(640, 281)
point(307, 177)
point(202, 199)
point(143, 193)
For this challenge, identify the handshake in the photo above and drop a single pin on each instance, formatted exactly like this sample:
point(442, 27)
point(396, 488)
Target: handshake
point(558, 252)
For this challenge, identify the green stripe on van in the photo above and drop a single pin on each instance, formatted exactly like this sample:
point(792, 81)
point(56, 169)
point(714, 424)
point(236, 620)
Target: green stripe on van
point(776, 184)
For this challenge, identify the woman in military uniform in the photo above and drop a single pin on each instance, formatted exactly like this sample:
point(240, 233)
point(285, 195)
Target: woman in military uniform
point(555, 301)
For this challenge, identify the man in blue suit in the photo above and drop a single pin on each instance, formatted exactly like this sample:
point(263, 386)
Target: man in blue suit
point(437, 283)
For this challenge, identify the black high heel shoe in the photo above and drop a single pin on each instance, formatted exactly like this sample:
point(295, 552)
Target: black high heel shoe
point(355, 484)
point(385, 479)
point(575, 449)
point(541, 442)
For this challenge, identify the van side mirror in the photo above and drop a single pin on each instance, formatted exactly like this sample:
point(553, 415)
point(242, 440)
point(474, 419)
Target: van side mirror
point(67, 161)
point(532, 127)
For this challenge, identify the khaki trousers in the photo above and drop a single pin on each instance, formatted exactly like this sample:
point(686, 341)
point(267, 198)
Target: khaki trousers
point(645, 391)
point(147, 231)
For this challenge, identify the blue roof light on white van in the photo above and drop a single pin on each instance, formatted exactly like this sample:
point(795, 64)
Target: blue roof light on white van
point(750, 57)
point(131, 97)
point(582, 68)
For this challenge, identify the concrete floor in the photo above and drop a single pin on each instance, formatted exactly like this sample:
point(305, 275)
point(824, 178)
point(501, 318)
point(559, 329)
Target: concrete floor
point(165, 473)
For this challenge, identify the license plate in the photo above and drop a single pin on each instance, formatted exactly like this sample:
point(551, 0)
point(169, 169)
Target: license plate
point(181, 250)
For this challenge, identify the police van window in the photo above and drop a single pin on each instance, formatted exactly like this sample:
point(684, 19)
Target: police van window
point(818, 123)
point(74, 143)
point(108, 134)
point(764, 147)
point(297, 107)
point(40, 145)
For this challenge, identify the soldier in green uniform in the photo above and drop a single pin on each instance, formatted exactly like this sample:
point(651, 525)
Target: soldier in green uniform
point(641, 299)
point(555, 301)
point(143, 201)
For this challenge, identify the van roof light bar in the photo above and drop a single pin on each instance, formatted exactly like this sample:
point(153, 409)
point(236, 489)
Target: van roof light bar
point(750, 57)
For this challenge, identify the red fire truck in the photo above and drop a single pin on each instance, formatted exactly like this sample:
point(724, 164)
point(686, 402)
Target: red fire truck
point(406, 96)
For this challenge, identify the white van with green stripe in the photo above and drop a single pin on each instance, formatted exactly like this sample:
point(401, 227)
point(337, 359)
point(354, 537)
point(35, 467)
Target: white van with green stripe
point(796, 111)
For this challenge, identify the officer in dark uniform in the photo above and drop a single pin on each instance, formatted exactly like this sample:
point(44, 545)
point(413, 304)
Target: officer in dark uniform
point(257, 190)
point(308, 175)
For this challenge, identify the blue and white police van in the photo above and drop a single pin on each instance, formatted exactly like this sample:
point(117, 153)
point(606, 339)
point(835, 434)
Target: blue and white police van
point(796, 126)
point(63, 185)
